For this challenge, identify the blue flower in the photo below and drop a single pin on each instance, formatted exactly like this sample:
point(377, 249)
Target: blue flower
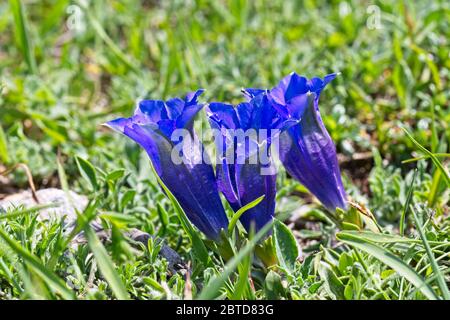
point(244, 167)
point(306, 149)
point(191, 181)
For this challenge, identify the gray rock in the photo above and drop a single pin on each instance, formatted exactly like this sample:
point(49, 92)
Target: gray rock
point(65, 205)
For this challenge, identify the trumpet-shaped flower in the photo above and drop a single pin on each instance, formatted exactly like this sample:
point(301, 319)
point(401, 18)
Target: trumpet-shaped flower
point(306, 149)
point(244, 168)
point(192, 182)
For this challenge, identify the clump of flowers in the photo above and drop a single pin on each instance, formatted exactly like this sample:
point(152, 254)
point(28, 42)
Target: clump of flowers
point(286, 116)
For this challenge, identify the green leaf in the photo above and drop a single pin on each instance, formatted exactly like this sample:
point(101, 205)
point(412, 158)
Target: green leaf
point(273, 287)
point(163, 215)
point(407, 202)
point(33, 262)
point(285, 246)
point(390, 260)
point(154, 284)
point(119, 218)
point(62, 176)
point(241, 211)
point(52, 131)
point(439, 155)
point(21, 31)
point(399, 81)
point(20, 212)
point(350, 226)
point(387, 273)
point(3, 147)
point(352, 219)
point(439, 276)
point(434, 159)
point(87, 171)
point(127, 197)
point(115, 175)
point(98, 28)
point(430, 63)
point(382, 237)
point(345, 260)
point(243, 284)
point(212, 289)
point(348, 292)
point(434, 188)
point(332, 283)
point(105, 264)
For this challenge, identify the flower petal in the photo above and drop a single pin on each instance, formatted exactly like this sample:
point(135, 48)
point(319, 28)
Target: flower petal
point(251, 185)
point(193, 184)
point(309, 155)
point(224, 115)
point(240, 180)
point(150, 111)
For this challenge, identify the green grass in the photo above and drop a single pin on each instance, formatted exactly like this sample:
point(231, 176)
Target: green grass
point(59, 84)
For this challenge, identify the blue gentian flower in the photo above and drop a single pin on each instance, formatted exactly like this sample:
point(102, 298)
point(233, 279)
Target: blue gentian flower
point(241, 177)
point(192, 182)
point(306, 149)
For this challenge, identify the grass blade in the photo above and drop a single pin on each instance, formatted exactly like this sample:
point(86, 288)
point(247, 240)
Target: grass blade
point(434, 265)
point(389, 259)
point(407, 202)
point(439, 155)
point(241, 211)
point(285, 246)
point(21, 212)
point(106, 39)
point(434, 188)
point(3, 147)
point(435, 160)
point(105, 264)
point(21, 31)
point(87, 171)
point(388, 238)
point(52, 280)
point(212, 289)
